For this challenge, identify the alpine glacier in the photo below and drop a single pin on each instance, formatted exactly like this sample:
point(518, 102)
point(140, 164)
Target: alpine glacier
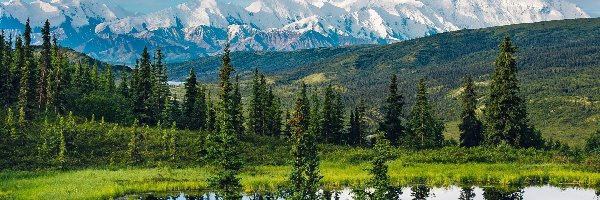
point(202, 27)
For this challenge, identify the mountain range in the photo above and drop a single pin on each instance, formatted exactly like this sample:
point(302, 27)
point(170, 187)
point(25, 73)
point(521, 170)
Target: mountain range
point(202, 27)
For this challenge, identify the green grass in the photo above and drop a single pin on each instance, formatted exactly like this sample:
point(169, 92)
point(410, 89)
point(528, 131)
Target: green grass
point(105, 183)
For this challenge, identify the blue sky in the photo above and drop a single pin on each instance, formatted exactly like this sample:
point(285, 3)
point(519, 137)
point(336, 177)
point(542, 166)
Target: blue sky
point(144, 6)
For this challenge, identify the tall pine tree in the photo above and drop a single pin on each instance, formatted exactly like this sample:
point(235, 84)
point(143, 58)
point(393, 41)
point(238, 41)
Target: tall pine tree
point(45, 66)
point(143, 91)
point(505, 112)
point(425, 131)
point(471, 129)
point(304, 178)
point(190, 114)
point(392, 124)
point(225, 145)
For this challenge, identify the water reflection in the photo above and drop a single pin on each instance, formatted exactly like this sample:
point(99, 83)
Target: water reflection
point(418, 192)
point(467, 193)
point(501, 193)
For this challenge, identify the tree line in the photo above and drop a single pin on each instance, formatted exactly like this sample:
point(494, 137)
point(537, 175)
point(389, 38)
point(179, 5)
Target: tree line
point(39, 85)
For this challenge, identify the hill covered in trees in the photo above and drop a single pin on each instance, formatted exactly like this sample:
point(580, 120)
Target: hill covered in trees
point(558, 63)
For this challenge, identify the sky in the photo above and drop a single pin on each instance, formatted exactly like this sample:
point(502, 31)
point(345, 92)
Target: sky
point(592, 7)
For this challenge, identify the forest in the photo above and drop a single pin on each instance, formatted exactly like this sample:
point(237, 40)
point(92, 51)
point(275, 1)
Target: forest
point(64, 115)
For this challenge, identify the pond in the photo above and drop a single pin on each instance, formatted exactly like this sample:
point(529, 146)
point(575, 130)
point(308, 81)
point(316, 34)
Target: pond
point(421, 193)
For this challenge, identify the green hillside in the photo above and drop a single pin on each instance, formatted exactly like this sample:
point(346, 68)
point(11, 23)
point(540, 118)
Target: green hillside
point(559, 65)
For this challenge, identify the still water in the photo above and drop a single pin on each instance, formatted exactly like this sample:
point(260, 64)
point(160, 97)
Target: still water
point(423, 193)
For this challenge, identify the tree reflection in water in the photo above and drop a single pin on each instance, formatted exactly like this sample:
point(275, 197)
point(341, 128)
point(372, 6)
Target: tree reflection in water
point(503, 193)
point(420, 192)
point(467, 193)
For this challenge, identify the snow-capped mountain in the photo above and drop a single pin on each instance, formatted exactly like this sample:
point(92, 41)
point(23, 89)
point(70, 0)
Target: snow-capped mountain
point(202, 27)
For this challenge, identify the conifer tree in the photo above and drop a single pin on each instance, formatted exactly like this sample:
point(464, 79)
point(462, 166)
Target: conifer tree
point(273, 114)
point(256, 107)
point(5, 76)
point(161, 89)
point(237, 110)
point(94, 77)
point(123, 87)
point(201, 108)
point(32, 71)
point(392, 125)
point(62, 148)
point(505, 112)
point(425, 131)
point(189, 102)
point(108, 80)
point(173, 142)
point(11, 124)
point(471, 129)
point(143, 91)
point(10, 56)
point(355, 130)
point(332, 116)
point(56, 80)
point(211, 122)
point(225, 145)
point(24, 91)
point(380, 180)
point(315, 122)
point(45, 66)
point(304, 178)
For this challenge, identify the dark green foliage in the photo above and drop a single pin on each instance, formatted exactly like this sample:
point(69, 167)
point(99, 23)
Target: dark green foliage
point(237, 111)
point(503, 193)
point(304, 179)
point(593, 143)
point(133, 148)
point(333, 117)
point(392, 122)
point(471, 129)
point(505, 111)
point(264, 112)
point(224, 145)
point(5, 75)
point(356, 129)
point(424, 129)
point(193, 113)
point(380, 180)
point(143, 91)
point(420, 192)
point(123, 87)
point(467, 193)
point(45, 67)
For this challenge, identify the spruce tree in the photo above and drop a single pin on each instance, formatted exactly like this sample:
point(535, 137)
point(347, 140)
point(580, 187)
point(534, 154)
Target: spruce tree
point(189, 102)
point(32, 71)
point(201, 108)
point(56, 80)
point(45, 66)
point(108, 80)
point(392, 124)
point(256, 108)
point(123, 87)
point(225, 145)
point(315, 122)
point(471, 129)
point(5, 76)
point(505, 112)
point(355, 130)
point(332, 116)
point(273, 114)
point(143, 91)
point(24, 91)
point(305, 177)
point(380, 180)
point(62, 148)
point(237, 110)
point(425, 131)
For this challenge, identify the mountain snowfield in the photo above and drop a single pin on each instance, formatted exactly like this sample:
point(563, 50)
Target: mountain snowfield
point(202, 27)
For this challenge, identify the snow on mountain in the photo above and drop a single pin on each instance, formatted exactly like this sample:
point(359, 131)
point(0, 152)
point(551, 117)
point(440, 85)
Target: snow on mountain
point(202, 27)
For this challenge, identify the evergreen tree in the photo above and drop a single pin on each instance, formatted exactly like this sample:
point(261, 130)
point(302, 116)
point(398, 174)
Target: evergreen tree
point(593, 143)
point(425, 131)
point(201, 108)
point(45, 66)
point(211, 120)
point(355, 130)
point(56, 80)
point(94, 77)
point(471, 129)
point(237, 110)
point(173, 142)
point(32, 71)
point(62, 148)
point(304, 178)
point(15, 70)
point(123, 87)
point(108, 80)
point(380, 180)
point(225, 145)
point(392, 124)
point(5, 76)
point(332, 116)
point(190, 113)
point(256, 109)
point(315, 122)
point(273, 114)
point(161, 89)
point(143, 91)
point(505, 111)
point(24, 91)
